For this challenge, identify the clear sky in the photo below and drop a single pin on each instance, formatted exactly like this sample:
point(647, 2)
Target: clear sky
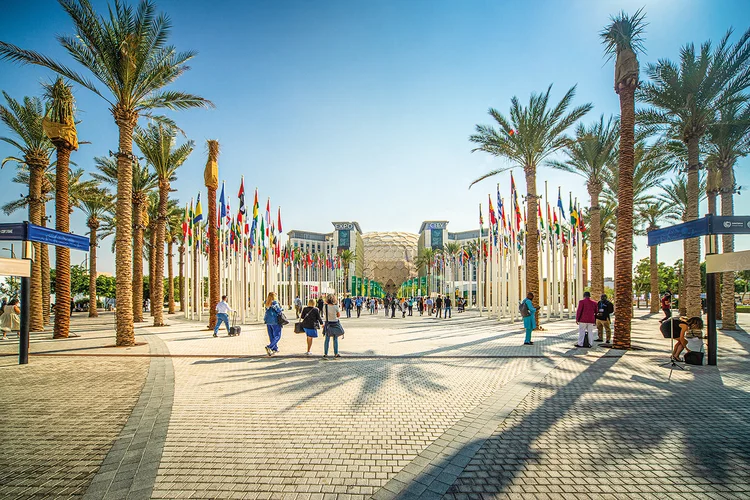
point(354, 110)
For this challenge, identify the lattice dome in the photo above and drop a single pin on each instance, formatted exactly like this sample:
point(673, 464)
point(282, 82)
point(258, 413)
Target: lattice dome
point(389, 256)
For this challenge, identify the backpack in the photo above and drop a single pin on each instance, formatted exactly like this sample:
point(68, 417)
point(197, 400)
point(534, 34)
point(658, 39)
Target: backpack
point(523, 308)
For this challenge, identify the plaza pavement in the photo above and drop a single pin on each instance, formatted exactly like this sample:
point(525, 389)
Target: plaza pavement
point(415, 408)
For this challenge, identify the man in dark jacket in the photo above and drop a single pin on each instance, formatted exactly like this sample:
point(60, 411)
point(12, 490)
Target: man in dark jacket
point(439, 306)
point(348, 304)
point(603, 309)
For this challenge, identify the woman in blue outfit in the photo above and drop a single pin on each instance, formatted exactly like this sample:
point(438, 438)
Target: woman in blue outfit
point(273, 310)
point(529, 322)
point(311, 321)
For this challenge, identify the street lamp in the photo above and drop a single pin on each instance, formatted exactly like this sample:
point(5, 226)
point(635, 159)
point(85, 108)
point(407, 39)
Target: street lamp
point(12, 251)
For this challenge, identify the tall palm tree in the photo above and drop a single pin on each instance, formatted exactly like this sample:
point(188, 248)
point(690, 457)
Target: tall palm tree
point(173, 235)
point(677, 195)
point(211, 180)
point(346, 257)
point(59, 124)
point(157, 144)
point(652, 218)
point(686, 100)
point(24, 120)
point(592, 152)
point(128, 53)
point(622, 39)
point(451, 250)
point(531, 134)
point(426, 259)
point(95, 206)
point(729, 140)
point(143, 181)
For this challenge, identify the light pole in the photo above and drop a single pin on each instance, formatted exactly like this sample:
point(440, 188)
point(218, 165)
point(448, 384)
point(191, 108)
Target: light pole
point(12, 251)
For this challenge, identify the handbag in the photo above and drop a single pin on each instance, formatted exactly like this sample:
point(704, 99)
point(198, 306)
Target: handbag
point(281, 319)
point(333, 329)
point(298, 327)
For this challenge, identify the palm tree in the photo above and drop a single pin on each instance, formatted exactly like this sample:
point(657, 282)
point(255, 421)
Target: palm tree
point(686, 100)
point(592, 152)
point(676, 195)
point(622, 40)
point(173, 235)
point(526, 139)
point(95, 206)
point(25, 123)
point(128, 53)
point(346, 257)
point(211, 180)
point(451, 250)
point(59, 125)
point(729, 141)
point(426, 259)
point(143, 180)
point(653, 217)
point(157, 144)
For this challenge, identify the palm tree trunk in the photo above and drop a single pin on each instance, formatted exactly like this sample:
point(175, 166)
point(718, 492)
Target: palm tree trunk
point(181, 283)
point(170, 276)
point(654, 271)
point(624, 238)
point(585, 264)
point(532, 239)
point(124, 242)
point(682, 308)
point(152, 270)
point(157, 300)
point(137, 281)
point(597, 264)
point(213, 258)
point(93, 225)
point(692, 245)
point(36, 171)
point(46, 277)
point(728, 311)
point(62, 254)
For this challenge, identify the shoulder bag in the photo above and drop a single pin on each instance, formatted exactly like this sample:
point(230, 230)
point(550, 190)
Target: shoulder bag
point(333, 329)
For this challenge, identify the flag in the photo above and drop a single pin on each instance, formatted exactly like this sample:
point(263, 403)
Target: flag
point(255, 205)
point(501, 211)
point(581, 227)
point(198, 216)
point(268, 217)
point(481, 220)
point(228, 213)
point(541, 218)
point(241, 196)
point(185, 223)
point(549, 220)
point(190, 224)
point(279, 222)
point(223, 210)
point(557, 225)
point(560, 205)
point(493, 219)
point(572, 210)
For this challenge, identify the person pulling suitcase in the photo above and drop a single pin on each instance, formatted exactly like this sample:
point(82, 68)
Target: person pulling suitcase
point(222, 315)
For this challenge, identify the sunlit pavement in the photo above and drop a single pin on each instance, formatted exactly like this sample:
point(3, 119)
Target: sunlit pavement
point(415, 407)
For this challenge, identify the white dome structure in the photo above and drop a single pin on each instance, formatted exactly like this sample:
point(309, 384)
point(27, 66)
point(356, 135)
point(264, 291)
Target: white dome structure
point(389, 257)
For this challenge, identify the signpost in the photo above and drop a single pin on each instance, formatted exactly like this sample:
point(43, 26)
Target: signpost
point(736, 261)
point(27, 232)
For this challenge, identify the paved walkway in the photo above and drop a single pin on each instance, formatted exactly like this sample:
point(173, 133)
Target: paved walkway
point(415, 408)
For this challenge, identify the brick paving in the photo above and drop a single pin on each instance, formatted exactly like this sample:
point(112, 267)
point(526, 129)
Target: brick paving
point(416, 408)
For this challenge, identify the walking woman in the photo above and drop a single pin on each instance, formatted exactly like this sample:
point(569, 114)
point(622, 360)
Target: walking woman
point(311, 320)
point(332, 327)
point(271, 319)
point(10, 321)
point(529, 317)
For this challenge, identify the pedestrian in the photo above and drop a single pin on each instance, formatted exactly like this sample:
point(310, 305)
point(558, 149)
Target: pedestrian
point(358, 305)
point(603, 309)
point(586, 320)
point(297, 306)
point(403, 308)
point(311, 320)
point(222, 315)
point(420, 305)
point(10, 319)
point(410, 305)
point(393, 307)
point(348, 303)
point(666, 306)
point(372, 304)
point(271, 319)
point(447, 307)
point(528, 312)
point(386, 306)
point(691, 338)
point(320, 303)
point(332, 328)
point(72, 307)
point(429, 306)
point(438, 306)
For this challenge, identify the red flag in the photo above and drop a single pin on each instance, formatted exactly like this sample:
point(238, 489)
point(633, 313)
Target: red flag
point(279, 222)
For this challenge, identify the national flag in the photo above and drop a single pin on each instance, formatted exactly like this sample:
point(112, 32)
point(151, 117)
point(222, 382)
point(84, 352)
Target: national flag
point(268, 217)
point(185, 223)
point(557, 224)
point(493, 219)
point(481, 220)
point(198, 216)
point(255, 205)
point(581, 227)
point(279, 222)
point(560, 205)
point(241, 196)
point(190, 225)
point(541, 218)
point(573, 213)
point(501, 211)
point(223, 209)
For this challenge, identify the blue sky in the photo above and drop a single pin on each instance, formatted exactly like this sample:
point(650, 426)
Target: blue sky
point(353, 110)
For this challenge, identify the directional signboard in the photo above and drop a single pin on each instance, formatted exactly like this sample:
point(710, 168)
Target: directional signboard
point(723, 262)
point(15, 267)
point(710, 224)
point(25, 231)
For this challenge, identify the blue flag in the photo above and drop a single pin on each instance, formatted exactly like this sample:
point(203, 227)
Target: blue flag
point(223, 212)
point(560, 205)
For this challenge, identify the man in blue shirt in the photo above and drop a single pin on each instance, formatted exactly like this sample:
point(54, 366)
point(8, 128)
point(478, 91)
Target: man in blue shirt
point(358, 303)
point(348, 306)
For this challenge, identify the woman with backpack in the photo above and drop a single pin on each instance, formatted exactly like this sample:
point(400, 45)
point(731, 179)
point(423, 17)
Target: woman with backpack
point(528, 311)
point(273, 325)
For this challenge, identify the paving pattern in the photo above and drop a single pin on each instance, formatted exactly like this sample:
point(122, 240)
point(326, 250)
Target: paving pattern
point(415, 408)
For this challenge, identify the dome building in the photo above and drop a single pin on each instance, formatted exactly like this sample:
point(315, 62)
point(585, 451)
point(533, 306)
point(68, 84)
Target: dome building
point(389, 258)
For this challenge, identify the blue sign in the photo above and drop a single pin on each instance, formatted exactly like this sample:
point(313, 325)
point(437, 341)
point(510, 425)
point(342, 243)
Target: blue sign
point(692, 229)
point(730, 224)
point(25, 231)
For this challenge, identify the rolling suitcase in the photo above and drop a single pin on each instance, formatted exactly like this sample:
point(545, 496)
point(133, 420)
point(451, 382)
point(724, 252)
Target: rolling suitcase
point(234, 329)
